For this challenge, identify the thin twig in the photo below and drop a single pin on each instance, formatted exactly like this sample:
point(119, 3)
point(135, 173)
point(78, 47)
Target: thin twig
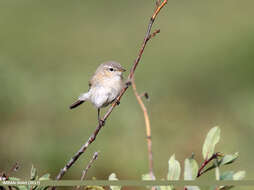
point(159, 7)
point(157, 3)
point(5, 177)
point(214, 156)
point(148, 128)
point(95, 156)
point(154, 33)
point(99, 126)
point(14, 168)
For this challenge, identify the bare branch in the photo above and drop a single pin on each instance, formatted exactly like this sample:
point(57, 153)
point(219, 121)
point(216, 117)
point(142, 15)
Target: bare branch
point(99, 126)
point(154, 33)
point(95, 156)
point(148, 128)
point(14, 168)
point(157, 3)
point(159, 8)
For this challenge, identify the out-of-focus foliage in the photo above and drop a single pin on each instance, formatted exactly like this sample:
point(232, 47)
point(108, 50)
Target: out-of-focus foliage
point(113, 178)
point(198, 72)
point(33, 177)
point(191, 169)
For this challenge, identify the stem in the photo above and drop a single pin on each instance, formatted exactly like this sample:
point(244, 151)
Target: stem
point(99, 126)
point(95, 156)
point(148, 128)
point(207, 161)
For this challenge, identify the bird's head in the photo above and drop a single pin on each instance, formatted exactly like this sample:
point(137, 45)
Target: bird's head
point(111, 69)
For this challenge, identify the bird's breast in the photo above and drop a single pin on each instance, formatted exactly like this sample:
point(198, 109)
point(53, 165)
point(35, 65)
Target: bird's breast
point(106, 91)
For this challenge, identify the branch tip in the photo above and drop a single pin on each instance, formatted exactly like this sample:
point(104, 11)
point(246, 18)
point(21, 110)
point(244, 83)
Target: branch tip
point(159, 7)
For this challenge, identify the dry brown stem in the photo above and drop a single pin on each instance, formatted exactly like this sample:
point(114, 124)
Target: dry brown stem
point(148, 128)
point(95, 156)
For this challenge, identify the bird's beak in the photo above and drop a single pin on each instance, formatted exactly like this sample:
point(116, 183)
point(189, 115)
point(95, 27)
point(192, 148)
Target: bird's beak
point(122, 70)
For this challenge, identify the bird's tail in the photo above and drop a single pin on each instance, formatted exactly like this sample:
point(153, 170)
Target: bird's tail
point(76, 104)
point(82, 98)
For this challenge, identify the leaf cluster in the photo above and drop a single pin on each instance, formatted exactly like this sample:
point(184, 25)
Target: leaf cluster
point(33, 177)
point(192, 169)
point(212, 161)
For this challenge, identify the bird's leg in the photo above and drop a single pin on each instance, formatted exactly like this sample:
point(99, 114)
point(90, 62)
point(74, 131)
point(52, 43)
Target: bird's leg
point(128, 83)
point(117, 102)
point(101, 121)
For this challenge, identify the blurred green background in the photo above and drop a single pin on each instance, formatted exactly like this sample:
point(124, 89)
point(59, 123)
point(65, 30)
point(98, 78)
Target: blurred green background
point(198, 72)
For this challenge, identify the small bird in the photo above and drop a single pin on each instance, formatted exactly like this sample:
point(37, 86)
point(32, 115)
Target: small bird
point(104, 86)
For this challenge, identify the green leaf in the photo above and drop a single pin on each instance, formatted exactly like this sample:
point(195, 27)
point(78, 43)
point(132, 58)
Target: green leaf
point(45, 177)
point(192, 187)
point(146, 177)
point(217, 171)
point(42, 187)
point(211, 140)
point(228, 159)
point(33, 173)
point(165, 188)
point(23, 187)
point(94, 188)
point(113, 177)
point(227, 175)
point(239, 175)
point(174, 169)
point(190, 171)
point(13, 179)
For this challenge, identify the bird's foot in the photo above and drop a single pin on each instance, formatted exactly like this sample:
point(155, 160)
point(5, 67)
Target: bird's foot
point(101, 122)
point(117, 102)
point(128, 83)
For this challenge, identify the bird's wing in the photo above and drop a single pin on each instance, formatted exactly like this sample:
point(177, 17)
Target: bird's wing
point(89, 84)
point(92, 81)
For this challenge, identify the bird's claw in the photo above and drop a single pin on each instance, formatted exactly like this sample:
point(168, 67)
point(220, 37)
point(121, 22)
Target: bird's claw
point(117, 102)
point(128, 83)
point(101, 122)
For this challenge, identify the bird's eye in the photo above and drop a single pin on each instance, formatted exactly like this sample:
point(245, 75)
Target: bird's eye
point(111, 69)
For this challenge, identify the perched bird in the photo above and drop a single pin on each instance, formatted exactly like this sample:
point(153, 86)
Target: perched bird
point(104, 86)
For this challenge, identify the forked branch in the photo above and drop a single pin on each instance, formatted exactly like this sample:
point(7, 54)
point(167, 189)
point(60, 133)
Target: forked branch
point(133, 68)
point(204, 164)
